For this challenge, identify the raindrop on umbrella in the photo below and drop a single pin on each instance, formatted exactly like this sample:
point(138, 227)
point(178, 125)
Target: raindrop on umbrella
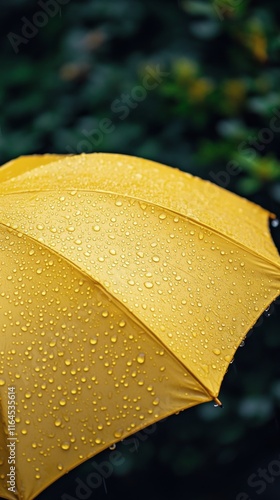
point(268, 312)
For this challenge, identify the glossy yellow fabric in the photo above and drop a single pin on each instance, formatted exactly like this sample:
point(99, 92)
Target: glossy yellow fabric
point(127, 287)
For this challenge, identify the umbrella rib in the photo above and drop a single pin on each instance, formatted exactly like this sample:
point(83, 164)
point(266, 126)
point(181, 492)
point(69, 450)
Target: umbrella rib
point(118, 302)
point(168, 209)
point(184, 216)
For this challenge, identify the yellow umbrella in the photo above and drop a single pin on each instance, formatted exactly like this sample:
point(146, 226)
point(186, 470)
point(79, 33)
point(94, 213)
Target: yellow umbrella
point(126, 288)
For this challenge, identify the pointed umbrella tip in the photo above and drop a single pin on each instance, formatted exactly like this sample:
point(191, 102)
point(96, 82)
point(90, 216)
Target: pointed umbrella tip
point(218, 403)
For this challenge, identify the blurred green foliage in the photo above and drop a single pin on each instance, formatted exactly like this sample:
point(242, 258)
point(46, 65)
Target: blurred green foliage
point(213, 111)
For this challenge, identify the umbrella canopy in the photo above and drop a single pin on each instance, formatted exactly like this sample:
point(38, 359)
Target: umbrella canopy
point(126, 288)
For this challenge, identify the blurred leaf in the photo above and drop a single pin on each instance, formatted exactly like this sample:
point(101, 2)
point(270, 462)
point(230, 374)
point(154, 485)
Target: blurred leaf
point(256, 408)
point(205, 29)
point(198, 8)
point(264, 105)
point(248, 185)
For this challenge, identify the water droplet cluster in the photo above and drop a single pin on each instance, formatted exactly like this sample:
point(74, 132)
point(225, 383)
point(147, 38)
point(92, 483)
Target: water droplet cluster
point(114, 291)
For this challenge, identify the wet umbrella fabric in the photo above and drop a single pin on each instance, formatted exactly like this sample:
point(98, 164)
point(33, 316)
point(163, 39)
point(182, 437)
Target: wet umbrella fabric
point(126, 288)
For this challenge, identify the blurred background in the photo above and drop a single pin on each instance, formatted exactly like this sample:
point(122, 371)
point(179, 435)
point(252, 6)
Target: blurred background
point(195, 85)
